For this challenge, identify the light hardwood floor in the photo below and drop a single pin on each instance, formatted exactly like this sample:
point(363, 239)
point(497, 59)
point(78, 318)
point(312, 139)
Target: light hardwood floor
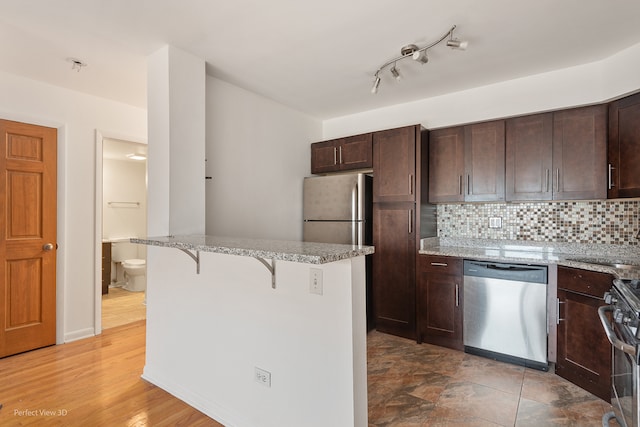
point(120, 307)
point(90, 382)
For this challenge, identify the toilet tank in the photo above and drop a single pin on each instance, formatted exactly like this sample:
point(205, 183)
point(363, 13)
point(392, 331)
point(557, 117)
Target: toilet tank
point(121, 251)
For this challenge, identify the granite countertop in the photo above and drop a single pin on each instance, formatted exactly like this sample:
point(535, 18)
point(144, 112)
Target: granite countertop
point(283, 250)
point(594, 257)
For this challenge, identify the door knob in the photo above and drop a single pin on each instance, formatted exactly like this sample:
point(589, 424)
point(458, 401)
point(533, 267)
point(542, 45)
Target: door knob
point(47, 247)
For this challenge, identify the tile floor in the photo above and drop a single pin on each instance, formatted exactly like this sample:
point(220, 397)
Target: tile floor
point(413, 384)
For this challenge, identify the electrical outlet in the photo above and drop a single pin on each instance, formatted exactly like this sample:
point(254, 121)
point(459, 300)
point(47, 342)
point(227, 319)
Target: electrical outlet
point(495, 222)
point(262, 377)
point(315, 281)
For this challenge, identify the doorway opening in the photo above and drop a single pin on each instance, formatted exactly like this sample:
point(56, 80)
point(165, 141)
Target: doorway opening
point(121, 214)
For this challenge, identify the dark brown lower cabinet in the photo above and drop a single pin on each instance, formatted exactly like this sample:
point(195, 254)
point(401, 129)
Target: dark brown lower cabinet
point(584, 353)
point(439, 301)
point(394, 237)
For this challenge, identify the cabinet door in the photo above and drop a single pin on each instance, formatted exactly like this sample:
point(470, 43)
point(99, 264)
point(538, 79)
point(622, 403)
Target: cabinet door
point(580, 153)
point(624, 148)
point(394, 165)
point(529, 148)
point(439, 302)
point(393, 278)
point(324, 156)
point(484, 162)
point(356, 152)
point(584, 353)
point(446, 165)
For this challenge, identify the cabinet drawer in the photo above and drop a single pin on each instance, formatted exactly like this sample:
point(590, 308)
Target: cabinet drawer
point(441, 264)
point(584, 281)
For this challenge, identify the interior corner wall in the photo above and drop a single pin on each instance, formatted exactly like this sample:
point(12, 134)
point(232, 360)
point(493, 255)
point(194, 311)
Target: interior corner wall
point(586, 84)
point(77, 116)
point(258, 152)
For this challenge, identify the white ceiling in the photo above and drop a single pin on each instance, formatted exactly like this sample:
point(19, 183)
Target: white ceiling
point(314, 56)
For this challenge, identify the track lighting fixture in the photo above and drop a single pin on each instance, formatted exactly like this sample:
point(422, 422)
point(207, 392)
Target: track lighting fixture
point(418, 54)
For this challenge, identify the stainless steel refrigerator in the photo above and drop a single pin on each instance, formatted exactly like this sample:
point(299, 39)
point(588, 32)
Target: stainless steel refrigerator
point(338, 209)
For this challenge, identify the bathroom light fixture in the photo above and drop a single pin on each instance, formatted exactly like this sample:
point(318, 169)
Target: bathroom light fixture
point(418, 54)
point(136, 156)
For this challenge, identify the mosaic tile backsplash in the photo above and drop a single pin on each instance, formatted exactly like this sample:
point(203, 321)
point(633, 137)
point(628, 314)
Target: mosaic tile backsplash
point(608, 222)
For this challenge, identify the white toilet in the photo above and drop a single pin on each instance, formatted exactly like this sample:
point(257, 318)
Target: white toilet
point(135, 269)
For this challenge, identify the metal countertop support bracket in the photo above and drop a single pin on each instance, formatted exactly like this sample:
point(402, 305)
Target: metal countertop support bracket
point(272, 269)
point(195, 257)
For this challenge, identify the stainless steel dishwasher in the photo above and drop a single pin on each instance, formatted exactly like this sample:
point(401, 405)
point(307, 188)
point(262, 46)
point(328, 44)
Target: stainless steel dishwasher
point(505, 312)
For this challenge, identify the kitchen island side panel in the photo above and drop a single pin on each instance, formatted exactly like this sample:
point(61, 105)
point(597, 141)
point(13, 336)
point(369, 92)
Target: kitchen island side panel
point(208, 332)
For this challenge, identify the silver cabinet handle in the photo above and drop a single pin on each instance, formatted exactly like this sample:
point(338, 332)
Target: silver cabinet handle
point(439, 264)
point(335, 156)
point(547, 182)
point(469, 184)
point(47, 247)
point(611, 335)
point(610, 177)
point(340, 154)
point(558, 302)
point(410, 183)
point(460, 185)
point(410, 221)
point(558, 180)
point(457, 295)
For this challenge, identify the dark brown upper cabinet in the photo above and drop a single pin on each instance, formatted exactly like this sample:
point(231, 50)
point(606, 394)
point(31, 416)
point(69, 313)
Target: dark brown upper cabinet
point(624, 148)
point(394, 164)
point(466, 163)
point(579, 170)
point(529, 151)
point(484, 161)
point(446, 165)
point(350, 153)
point(557, 156)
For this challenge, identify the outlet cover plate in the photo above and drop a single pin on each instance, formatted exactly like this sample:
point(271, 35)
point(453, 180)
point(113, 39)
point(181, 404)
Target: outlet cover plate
point(315, 281)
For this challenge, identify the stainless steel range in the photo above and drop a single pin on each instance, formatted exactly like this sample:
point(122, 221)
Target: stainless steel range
point(623, 333)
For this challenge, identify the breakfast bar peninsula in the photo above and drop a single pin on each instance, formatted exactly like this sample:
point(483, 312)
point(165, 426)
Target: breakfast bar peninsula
point(259, 332)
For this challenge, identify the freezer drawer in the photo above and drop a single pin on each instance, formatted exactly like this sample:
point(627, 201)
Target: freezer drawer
point(346, 232)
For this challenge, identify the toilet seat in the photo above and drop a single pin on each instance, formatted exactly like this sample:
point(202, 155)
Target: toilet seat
point(134, 263)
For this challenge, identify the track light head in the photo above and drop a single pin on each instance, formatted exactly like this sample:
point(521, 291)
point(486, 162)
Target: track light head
point(395, 73)
point(420, 56)
point(457, 44)
point(376, 84)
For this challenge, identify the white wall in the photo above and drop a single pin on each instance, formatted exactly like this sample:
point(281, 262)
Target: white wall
point(207, 332)
point(124, 181)
point(176, 100)
point(77, 116)
point(257, 155)
point(582, 85)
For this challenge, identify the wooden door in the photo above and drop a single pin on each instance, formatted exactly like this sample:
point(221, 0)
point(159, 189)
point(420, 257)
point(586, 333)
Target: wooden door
point(529, 150)
point(394, 165)
point(446, 165)
point(624, 148)
point(393, 281)
point(580, 153)
point(484, 162)
point(27, 237)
